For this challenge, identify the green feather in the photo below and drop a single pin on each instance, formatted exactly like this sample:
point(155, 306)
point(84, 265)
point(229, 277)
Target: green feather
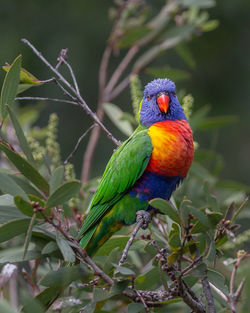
point(125, 167)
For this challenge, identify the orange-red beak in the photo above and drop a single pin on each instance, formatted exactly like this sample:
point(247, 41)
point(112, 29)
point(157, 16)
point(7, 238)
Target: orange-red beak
point(163, 102)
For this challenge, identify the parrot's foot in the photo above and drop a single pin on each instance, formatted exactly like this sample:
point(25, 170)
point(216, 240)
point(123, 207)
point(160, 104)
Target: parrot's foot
point(145, 216)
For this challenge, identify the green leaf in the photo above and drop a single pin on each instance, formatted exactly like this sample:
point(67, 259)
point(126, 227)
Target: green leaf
point(210, 25)
point(23, 87)
point(56, 178)
point(165, 208)
point(48, 296)
point(27, 209)
point(124, 270)
point(31, 305)
point(132, 35)
point(200, 216)
point(172, 258)
point(100, 294)
point(5, 307)
point(26, 168)
point(135, 308)
point(211, 252)
point(10, 84)
point(116, 114)
point(114, 242)
point(20, 136)
point(25, 76)
point(50, 247)
point(174, 236)
point(13, 228)
point(63, 193)
point(8, 185)
point(119, 287)
point(8, 212)
point(25, 185)
point(29, 234)
point(168, 72)
point(217, 279)
point(64, 276)
point(16, 255)
point(148, 279)
point(65, 248)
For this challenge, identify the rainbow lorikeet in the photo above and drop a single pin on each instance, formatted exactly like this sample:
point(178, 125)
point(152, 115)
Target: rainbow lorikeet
point(149, 164)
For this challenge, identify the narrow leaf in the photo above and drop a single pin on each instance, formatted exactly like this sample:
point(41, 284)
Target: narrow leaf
point(26, 168)
point(28, 235)
point(25, 76)
point(64, 276)
point(64, 193)
point(13, 228)
point(116, 114)
point(10, 84)
point(56, 178)
point(67, 252)
point(16, 255)
point(8, 185)
point(20, 136)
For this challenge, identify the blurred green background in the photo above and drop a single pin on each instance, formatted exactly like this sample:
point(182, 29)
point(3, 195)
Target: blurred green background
point(220, 77)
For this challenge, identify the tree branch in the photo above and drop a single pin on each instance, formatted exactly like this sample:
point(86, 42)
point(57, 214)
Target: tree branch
point(79, 99)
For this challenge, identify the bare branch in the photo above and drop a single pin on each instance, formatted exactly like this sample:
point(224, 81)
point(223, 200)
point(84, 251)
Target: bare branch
point(80, 100)
point(46, 99)
point(219, 292)
point(78, 143)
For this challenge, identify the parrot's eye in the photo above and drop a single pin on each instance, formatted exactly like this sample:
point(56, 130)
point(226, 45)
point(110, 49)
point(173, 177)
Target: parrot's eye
point(174, 94)
point(148, 97)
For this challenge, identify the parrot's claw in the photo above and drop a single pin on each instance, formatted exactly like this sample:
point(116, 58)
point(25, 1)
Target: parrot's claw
point(145, 216)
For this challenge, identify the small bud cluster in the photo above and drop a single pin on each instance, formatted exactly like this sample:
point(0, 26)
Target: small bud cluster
point(38, 151)
point(136, 93)
point(70, 174)
point(187, 105)
point(52, 145)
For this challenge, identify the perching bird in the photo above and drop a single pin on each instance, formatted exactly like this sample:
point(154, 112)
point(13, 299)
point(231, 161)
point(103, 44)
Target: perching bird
point(149, 164)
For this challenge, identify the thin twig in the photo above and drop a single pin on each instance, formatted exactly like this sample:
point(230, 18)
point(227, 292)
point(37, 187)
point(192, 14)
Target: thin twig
point(46, 99)
point(191, 266)
point(80, 100)
point(72, 75)
point(78, 143)
point(219, 292)
point(82, 255)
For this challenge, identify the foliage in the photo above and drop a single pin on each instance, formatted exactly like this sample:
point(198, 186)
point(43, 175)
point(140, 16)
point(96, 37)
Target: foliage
point(42, 203)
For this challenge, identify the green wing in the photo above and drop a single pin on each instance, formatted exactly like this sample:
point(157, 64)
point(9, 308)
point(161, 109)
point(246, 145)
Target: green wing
point(125, 166)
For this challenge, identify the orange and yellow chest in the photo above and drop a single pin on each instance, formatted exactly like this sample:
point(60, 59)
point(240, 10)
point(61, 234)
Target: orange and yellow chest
point(173, 149)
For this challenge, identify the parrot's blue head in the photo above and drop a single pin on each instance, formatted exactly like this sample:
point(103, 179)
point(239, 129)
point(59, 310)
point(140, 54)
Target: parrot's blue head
point(160, 103)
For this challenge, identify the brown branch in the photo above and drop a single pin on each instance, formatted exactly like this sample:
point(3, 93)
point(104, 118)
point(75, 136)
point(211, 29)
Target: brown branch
point(142, 219)
point(208, 294)
point(180, 289)
point(80, 253)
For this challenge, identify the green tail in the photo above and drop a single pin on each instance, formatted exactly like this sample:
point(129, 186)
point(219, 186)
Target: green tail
point(122, 213)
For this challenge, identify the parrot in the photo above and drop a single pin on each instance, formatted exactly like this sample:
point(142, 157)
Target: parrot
point(150, 164)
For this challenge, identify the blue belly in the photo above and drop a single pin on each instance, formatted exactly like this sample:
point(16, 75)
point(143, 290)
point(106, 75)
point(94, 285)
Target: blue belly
point(151, 186)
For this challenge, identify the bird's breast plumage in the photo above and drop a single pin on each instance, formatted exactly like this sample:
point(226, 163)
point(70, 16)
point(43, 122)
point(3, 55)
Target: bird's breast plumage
point(173, 149)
